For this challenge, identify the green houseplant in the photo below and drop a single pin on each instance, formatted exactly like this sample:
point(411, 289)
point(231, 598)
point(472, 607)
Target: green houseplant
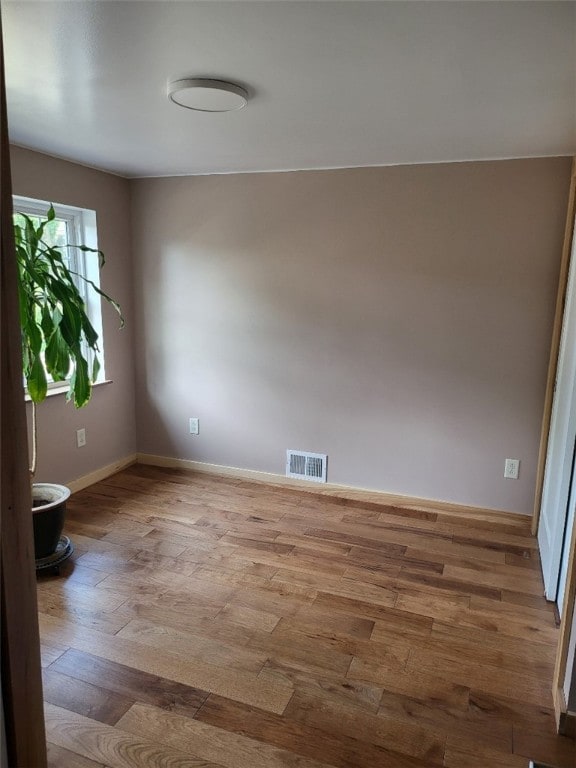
point(58, 340)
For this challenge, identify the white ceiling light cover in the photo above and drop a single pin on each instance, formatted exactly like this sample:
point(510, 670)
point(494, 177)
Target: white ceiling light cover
point(205, 95)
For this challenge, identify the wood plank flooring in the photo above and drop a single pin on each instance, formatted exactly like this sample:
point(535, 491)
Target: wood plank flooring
point(213, 622)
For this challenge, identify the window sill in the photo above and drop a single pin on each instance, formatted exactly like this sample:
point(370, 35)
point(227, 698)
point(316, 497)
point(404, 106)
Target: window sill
point(62, 390)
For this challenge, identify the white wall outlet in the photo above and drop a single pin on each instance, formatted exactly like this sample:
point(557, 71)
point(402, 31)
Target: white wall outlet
point(511, 468)
point(80, 437)
point(194, 426)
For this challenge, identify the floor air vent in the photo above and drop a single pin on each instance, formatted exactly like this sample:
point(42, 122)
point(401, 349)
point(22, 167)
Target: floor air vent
point(306, 466)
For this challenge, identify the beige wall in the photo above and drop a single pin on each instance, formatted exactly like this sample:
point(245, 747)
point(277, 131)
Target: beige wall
point(109, 418)
point(397, 319)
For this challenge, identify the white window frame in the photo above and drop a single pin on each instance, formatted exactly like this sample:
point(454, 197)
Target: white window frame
point(81, 230)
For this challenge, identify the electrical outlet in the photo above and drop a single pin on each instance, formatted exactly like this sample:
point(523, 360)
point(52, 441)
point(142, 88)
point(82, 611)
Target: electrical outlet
point(511, 468)
point(194, 426)
point(80, 437)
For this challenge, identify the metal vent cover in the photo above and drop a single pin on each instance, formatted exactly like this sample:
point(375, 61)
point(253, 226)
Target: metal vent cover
point(304, 465)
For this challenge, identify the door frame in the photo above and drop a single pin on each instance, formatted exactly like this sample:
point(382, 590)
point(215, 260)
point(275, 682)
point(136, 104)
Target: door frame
point(559, 487)
point(565, 723)
point(555, 347)
point(21, 678)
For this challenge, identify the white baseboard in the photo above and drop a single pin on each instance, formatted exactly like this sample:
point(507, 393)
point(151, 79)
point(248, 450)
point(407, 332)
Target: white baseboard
point(215, 469)
point(102, 473)
point(331, 489)
point(361, 495)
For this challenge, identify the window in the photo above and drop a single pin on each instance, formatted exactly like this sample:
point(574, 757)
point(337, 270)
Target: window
point(71, 227)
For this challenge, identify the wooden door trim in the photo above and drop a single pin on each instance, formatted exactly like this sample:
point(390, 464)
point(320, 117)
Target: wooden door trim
point(555, 346)
point(21, 672)
point(564, 721)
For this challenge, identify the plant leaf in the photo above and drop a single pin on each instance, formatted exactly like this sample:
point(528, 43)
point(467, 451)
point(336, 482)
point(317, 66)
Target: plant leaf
point(95, 368)
point(57, 357)
point(80, 383)
point(36, 381)
point(101, 293)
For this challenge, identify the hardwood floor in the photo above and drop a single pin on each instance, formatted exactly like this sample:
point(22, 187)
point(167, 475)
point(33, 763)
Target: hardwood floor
point(215, 622)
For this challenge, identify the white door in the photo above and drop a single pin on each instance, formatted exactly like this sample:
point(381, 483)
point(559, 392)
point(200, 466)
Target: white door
point(562, 440)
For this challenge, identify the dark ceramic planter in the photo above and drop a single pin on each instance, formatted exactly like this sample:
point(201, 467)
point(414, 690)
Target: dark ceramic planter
point(48, 513)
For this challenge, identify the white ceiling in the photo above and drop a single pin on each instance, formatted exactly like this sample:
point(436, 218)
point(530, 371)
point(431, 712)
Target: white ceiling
point(333, 84)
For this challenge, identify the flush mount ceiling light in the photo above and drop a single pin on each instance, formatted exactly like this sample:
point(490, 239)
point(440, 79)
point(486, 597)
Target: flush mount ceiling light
point(204, 95)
